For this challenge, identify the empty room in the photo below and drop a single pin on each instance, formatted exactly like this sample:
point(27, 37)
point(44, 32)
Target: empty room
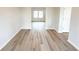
point(39, 28)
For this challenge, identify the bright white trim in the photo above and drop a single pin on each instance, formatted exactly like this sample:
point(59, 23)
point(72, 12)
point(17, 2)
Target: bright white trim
point(73, 44)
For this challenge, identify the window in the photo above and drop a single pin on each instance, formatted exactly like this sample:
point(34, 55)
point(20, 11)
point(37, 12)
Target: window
point(40, 14)
point(37, 14)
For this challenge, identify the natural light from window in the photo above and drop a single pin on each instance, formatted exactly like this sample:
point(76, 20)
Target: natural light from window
point(37, 14)
point(38, 25)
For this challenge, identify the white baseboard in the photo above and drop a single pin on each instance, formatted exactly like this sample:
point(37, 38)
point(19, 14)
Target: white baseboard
point(73, 44)
point(10, 39)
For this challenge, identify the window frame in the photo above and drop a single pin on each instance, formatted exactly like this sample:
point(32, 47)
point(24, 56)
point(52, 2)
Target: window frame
point(38, 19)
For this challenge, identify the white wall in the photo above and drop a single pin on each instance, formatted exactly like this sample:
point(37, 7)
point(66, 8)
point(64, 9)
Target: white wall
point(26, 17)
point(64, 22)
point(57, 13)
point(10, 23)
point(52, 18)
point(74, 27)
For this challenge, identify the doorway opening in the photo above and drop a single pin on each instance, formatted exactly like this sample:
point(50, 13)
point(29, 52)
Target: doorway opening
point(38, 18)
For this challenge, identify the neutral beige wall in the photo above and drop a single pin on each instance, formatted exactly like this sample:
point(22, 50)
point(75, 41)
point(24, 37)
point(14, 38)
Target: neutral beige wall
point(74, 27)
point(10, 24)
point(57, 13)
point(26, 17)
point(52, 18)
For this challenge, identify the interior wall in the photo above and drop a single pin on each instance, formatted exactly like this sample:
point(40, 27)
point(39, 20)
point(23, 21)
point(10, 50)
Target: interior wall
point(52, 18)
point(57, 13)
point(65, 16)
point(10, 23)
point(74, 27)
point(26, 17)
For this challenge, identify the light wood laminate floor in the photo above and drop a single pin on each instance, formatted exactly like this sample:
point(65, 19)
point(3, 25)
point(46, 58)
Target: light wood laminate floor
point(30, 40)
